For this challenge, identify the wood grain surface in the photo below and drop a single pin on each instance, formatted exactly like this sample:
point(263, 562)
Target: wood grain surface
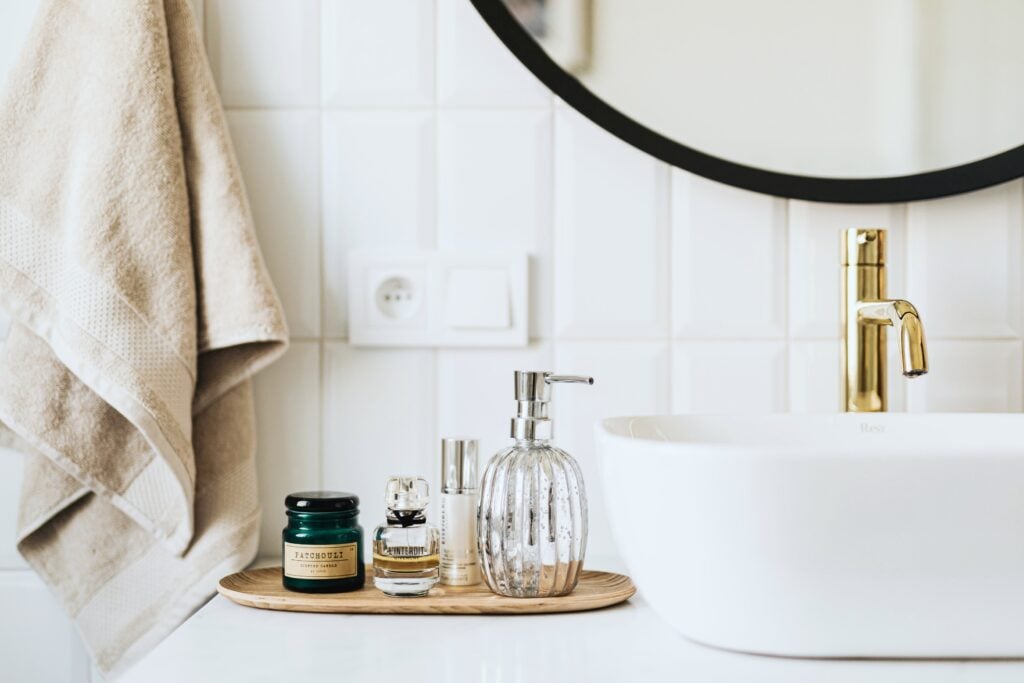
point(262, 588)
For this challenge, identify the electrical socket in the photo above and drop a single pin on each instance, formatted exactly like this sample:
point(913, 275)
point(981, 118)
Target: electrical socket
point(399, 297)
point(437, 299)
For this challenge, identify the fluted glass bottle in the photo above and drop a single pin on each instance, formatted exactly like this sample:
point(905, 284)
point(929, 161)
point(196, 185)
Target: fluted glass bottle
point(532, 521)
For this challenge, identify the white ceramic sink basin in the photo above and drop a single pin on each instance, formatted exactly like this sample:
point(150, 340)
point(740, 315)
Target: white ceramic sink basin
point(847, 535)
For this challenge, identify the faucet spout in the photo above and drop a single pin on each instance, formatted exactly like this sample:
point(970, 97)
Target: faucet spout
point(902, 315)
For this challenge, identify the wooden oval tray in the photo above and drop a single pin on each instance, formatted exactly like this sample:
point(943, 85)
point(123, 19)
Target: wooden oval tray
point(262, 588)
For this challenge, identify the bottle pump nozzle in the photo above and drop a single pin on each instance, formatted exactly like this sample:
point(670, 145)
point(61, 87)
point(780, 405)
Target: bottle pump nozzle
point(533, 392)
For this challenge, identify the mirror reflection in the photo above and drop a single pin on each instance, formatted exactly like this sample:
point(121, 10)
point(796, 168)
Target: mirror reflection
point(856, 89)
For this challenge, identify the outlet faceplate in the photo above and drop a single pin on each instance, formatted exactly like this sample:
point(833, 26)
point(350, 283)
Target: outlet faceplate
point(437, 299)
point(399, 296)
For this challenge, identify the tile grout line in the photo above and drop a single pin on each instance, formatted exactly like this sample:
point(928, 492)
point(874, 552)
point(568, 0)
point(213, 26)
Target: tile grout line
point(670, 299)
point(322, 411)
point(321, 227)
point(385, 108)
point(654, 338)
point(786, 284)
point(552, 228)
point(435, 223)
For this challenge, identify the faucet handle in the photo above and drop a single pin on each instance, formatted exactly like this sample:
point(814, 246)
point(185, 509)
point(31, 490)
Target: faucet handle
point(864, 247)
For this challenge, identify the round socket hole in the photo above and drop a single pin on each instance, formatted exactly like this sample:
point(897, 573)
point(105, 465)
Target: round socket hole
point(397, 298)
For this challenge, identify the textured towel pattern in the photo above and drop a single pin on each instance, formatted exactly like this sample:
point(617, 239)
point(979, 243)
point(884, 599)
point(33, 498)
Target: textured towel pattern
point(142, 307)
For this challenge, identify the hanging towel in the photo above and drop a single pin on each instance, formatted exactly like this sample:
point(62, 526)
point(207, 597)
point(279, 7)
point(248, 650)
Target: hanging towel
point(142, 307)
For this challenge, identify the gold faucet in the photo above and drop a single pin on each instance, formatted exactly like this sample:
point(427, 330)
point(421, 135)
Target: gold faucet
point(866, 313)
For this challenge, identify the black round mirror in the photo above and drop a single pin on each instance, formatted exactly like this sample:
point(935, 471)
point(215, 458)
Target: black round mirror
point(867, 101)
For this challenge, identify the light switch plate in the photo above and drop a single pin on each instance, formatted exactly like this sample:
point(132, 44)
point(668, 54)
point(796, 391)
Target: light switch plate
point(437, 298)
point(477, 298)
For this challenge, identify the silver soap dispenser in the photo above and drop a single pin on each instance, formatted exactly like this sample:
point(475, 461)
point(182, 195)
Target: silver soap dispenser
point(532, 521)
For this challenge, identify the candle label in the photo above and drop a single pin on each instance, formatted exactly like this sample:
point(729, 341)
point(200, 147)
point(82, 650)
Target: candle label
point(321, 561)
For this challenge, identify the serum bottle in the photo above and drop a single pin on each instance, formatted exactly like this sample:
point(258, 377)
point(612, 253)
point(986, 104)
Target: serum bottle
point(460, 564)
point(405, 548)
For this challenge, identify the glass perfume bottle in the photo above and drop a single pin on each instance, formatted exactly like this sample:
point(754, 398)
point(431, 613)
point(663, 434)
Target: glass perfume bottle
point(405, 547)
point(532, 520)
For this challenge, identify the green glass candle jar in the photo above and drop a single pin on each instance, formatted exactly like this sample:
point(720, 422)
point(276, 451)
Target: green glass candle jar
point(323, 543)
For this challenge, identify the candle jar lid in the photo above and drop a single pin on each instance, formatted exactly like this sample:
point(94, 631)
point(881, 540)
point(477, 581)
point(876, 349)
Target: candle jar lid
point(322, 501)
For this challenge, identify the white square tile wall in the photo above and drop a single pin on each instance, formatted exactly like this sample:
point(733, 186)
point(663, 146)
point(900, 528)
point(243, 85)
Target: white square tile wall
point(278, 152)
point(265, 53)
point(396, 36)
point(611, 235)
point(288, 434)
point(474, 68)
point(407, 124)
point(711, 275)
point(379, 189)
point(814, 376)
point(964, 262)
point(970, 376)
point(489, 159)
point(729, 376)
point(380, 414)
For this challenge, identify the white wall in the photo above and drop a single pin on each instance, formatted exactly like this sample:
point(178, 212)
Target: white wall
point(406, 123)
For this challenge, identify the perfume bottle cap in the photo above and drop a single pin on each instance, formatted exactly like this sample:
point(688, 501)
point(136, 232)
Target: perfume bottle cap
point(459, 464)
point(406, 494)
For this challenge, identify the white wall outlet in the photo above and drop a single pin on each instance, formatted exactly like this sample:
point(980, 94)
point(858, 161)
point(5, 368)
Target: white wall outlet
point(435, 299)
point(399, 296)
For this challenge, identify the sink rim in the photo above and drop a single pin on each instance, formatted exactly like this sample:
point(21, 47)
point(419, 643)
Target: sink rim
point(860, 434)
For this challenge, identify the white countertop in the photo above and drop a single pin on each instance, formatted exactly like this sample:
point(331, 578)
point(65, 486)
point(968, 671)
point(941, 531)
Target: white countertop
point(225, 642)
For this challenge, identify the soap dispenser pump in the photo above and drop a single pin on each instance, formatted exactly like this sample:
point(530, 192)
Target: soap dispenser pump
point(532, 521)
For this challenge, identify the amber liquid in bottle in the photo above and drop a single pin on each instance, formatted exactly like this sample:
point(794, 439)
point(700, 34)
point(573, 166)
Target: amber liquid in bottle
point(405, 559)
point(412, 564)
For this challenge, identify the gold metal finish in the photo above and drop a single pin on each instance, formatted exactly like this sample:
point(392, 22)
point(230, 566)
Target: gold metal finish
point(866, 314)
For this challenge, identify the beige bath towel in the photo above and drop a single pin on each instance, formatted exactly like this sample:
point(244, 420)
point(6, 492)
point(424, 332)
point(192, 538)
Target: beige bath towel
point(142, 308)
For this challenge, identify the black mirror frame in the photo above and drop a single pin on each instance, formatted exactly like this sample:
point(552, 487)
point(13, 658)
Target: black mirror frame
point(975, 175)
